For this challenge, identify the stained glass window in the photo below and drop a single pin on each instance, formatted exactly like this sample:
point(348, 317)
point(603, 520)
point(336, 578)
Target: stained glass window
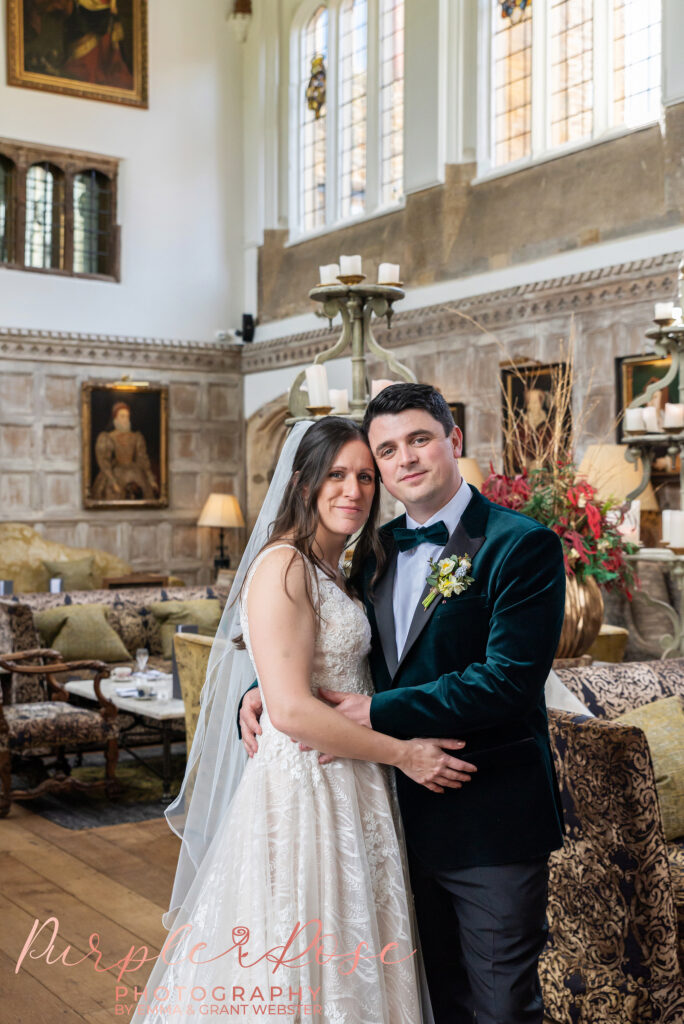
point(92, 223)
point(353, 106)
point(392, 99)
point(512, 88)
point(6, 209)
point(572, 70)
point(45, 221)
point(313, 130)
point(636, 61)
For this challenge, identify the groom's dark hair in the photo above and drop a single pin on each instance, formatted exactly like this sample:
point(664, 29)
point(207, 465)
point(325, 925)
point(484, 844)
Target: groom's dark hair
point(400, 397)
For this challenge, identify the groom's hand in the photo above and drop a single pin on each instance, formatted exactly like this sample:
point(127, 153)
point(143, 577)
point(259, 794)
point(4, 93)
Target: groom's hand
point(355, 706)
point(250, 713)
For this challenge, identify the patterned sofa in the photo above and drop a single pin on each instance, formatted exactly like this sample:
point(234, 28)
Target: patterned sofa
point(616, 903)
point(128, 614)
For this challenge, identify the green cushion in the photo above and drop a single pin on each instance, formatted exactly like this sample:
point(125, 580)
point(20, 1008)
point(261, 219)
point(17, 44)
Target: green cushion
point(80, 631)
point(76, 574)
point(663, 723)
point(205, 613)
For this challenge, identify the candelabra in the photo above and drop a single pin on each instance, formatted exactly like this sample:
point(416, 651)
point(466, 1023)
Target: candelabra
point(357, 303)
point(642, 439)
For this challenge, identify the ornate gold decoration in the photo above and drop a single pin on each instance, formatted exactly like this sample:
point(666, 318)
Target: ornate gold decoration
point(315, 90)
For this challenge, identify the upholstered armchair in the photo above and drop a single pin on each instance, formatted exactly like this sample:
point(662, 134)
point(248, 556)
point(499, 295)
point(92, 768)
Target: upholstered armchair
point(52, 726)
point(614, 938)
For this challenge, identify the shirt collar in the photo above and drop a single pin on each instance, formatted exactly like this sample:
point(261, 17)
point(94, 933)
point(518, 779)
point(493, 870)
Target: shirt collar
point(451, 514)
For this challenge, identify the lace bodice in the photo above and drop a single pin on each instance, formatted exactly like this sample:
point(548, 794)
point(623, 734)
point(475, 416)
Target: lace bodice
point(343, 641)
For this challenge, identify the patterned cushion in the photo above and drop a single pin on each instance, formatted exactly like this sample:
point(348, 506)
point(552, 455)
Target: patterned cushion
point(663, 723)
point(675, 855)
point(612, 955)
point(18, 633)
point(131, 623)
point(80, 631)
point(611, 690)
point(54, 722)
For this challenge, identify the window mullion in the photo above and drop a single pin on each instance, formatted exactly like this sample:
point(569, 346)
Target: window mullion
point(373, 134)
point(331, 107)
point(541, 77)
point(602, 66)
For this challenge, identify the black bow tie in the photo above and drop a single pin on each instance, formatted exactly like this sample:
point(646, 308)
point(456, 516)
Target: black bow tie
point(407, 539)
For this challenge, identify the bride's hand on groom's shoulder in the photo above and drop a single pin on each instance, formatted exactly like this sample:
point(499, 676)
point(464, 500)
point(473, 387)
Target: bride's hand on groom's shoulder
point(427, 763)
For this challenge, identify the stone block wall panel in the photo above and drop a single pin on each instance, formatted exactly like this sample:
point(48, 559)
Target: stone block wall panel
point(40, 442)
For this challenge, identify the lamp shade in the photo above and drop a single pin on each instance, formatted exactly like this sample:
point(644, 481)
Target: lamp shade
point(471, 472)
point(221, 510)
point(604, 466)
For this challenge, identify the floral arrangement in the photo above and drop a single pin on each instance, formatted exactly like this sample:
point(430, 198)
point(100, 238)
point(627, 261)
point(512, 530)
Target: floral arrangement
point(588, 528)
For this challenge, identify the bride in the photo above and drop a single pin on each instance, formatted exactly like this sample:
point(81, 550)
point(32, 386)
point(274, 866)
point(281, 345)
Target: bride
point(291, 895)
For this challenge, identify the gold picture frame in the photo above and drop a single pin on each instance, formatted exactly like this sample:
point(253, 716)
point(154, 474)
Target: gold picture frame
point(93, 49)
point(124, 430)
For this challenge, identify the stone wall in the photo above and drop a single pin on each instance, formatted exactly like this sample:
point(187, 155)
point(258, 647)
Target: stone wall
point(461, 346)
point(40, 443)
point(616, 189)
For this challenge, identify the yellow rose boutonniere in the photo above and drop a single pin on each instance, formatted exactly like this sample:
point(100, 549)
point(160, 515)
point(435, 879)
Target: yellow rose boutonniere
point(448, 576)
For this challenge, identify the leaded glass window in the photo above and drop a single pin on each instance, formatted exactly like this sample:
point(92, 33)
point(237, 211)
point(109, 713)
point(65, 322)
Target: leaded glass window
point(512, 88)
point(353, 106)
point(7, 207)
point(313, 130)
point(572, 70)
point(392, 99)
point(45, 220)
point(637, 71)
point(92, 223)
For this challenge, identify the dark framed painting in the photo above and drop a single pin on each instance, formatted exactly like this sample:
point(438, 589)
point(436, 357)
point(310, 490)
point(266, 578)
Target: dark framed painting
point(537, 413)
point(633, 375)
point(125, 445)
point(458, 412)
point(93, 49)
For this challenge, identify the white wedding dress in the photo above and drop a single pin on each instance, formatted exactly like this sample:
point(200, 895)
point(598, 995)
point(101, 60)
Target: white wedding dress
point(300, 842)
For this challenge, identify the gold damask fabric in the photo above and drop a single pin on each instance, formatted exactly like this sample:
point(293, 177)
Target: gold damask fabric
point(612, 955)
point(611, 690)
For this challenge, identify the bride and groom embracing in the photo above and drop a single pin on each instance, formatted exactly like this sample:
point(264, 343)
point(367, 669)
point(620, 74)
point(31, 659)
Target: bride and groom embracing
point(298, 864)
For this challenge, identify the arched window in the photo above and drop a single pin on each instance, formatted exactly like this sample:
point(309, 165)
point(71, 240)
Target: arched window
point(570, 71)
point(392, 99)
point(348, 161)
point(7, 208)
point(92, 223)
point(353, 106)
point(313, 131)
point(45, 221)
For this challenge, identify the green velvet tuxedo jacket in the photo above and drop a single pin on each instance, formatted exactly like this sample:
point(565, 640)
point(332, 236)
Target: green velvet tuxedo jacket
point(473, 668)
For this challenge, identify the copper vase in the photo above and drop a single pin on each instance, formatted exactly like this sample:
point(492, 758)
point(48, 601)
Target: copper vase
point(583, 617)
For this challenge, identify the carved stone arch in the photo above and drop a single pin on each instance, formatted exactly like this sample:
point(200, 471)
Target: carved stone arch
point(265, 437)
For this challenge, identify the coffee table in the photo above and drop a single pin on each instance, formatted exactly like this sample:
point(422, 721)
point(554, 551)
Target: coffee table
point(165, 715)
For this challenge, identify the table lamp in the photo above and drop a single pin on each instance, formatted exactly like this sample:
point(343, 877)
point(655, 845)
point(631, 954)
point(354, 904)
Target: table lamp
point(604, 466)
point(222, 511)
point(471, 472)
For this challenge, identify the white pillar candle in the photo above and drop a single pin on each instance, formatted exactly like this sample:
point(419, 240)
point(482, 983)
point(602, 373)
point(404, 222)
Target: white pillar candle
point(676, 529)
point(677, 313)
point(329, 273)
point(634, 419)
point(388, 273)
point(339, 399)
point(674, 416)
point(350, 266)
point(651, 420)
point(663, 310)
point(379, 385)
point(667, 516)
point(317, 383)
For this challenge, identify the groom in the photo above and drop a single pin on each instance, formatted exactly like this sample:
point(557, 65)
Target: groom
point(473, 666)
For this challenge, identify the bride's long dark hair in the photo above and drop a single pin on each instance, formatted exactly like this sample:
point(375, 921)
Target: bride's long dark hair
point(297, 518)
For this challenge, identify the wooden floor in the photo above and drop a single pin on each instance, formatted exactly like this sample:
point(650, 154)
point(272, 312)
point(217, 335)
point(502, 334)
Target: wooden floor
point(114, 881)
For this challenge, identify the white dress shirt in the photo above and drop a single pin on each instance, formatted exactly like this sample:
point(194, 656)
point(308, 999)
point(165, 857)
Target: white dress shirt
point(413, 565)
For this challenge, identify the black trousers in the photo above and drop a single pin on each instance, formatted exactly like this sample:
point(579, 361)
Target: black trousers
point(482, 930)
